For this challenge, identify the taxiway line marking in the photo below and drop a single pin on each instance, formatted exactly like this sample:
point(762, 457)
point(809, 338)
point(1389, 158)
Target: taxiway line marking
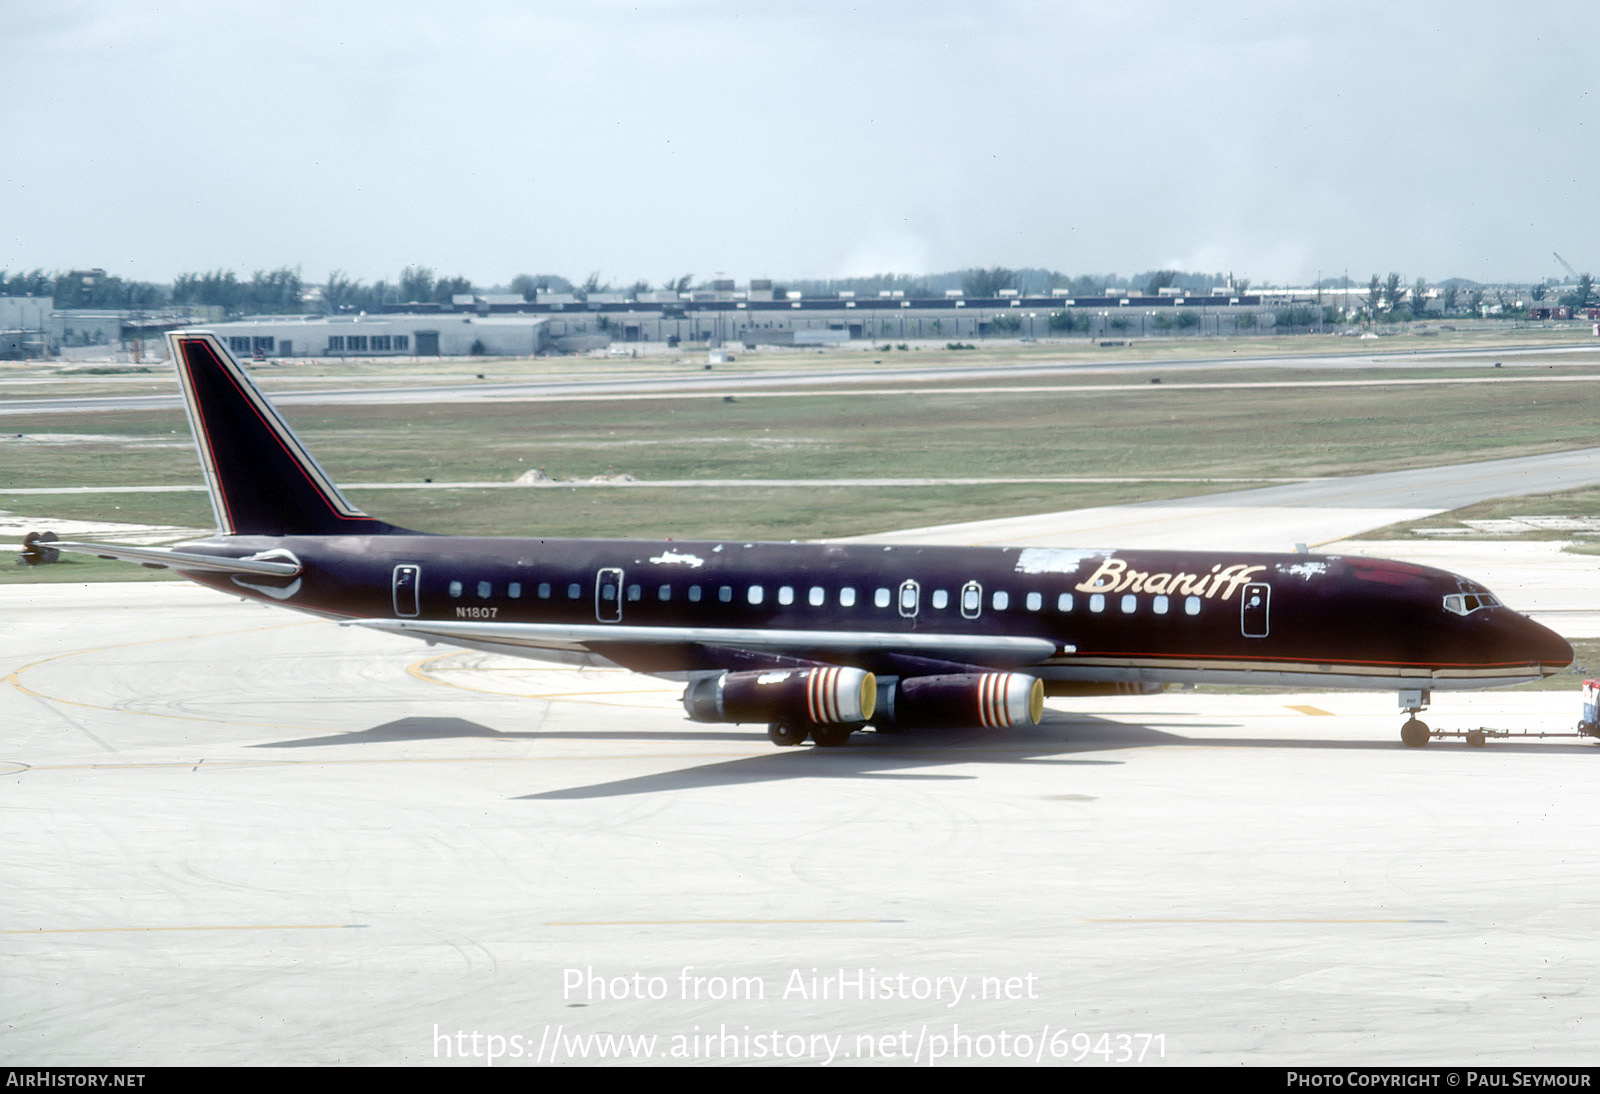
point(1227, 920)
point(15, 680)
point(235, 927)
point(1315, 712)
point(699, 922)
point(420, 670)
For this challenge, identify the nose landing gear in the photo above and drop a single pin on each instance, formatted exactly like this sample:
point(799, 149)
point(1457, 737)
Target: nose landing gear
point(1415, 732)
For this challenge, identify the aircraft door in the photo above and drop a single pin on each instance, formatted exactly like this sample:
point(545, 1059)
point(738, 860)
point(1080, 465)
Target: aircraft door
point(407, 591)
point(910, 595)
point(1253, 609)
point(608, 596)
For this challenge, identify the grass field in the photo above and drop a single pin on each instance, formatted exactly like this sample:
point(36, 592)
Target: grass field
point(1150, 430)
point(1095, 424)
point(1570, 503)
point(72, 568)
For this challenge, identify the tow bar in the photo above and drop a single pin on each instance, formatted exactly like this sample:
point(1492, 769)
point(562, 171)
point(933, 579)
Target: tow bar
point(1588, 725)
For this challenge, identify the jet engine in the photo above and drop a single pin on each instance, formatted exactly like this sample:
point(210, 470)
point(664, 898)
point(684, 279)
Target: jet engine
point(983, 699)
point(818, 696)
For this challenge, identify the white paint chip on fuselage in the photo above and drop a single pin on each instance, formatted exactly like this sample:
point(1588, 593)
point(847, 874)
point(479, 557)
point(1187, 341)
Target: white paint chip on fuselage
point(673, 558)
point(1052, 560)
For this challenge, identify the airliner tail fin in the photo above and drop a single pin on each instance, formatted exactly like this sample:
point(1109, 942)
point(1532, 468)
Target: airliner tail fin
point(262, 479)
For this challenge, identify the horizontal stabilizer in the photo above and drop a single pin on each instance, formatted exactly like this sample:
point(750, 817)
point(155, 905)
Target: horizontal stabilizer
point(182, 560)
point(988, 648)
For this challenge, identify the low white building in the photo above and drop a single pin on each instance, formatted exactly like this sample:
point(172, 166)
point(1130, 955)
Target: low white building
point(439, 334)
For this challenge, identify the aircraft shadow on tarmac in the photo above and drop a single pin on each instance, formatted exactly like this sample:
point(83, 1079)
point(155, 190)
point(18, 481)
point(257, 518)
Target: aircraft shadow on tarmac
point(1059, 739)
point(440, 729)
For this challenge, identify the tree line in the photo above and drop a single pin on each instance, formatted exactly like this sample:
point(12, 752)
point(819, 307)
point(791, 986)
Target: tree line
point(284, 290)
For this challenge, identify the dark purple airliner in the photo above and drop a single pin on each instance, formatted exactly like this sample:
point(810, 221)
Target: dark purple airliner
point(820, 640)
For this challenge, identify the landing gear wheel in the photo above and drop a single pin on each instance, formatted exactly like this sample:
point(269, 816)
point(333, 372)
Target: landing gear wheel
point(787, 734)
point(1476, 738)
point(831, 736)
point(1415, 733)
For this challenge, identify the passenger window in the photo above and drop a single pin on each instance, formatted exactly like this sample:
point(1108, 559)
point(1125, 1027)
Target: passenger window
point(634, 593)
point(847, 597)
point(1064, 602)
point(694, 594)
point(940, 599)
point(1191, 605)
point(1130, 603)
point(881, 598)
point(1159, 605)
point(816, 596)
point(756, 594)
point(1000, 601)
point(786, 594)
point(1097, 603)
point(544, 590)
point(574, 591)
point(608, 591)
point(483, 590)
point(514, 590)
point(664, 593)
point(725, 594)
point(1035, 601)
point(455, 588)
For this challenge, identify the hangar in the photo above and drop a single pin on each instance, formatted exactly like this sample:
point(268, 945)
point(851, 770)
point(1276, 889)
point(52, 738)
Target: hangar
point(389, 335)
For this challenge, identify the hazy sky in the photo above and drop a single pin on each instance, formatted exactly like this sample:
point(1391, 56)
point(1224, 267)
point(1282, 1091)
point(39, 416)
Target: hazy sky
point(813, 139)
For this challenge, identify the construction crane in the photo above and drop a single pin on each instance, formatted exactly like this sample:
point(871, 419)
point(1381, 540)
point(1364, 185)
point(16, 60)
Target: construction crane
point(1567, 264)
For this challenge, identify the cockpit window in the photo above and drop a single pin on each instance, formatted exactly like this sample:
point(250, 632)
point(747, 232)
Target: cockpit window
point(1467, 603)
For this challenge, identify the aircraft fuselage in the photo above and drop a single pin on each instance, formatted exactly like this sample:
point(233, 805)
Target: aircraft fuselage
point(1104, 616)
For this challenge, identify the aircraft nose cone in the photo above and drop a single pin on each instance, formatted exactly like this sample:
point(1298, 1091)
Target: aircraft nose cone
point(1539, 643)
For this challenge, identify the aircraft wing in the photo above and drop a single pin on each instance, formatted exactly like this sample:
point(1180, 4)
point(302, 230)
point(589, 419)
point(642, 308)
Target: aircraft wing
point(169, 558)
point(517, 637)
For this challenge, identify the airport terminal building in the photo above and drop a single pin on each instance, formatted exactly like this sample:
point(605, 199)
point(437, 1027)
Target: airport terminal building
point(562, 323)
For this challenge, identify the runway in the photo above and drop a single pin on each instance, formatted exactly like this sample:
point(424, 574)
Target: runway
point(233, 835)
point(812, 380)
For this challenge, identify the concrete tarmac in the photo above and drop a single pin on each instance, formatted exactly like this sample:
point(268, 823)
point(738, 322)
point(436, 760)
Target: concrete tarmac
point(234, 835)
point(1274, 518)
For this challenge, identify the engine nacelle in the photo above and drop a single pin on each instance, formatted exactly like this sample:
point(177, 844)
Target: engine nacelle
point(821, 696)
point(981, 699)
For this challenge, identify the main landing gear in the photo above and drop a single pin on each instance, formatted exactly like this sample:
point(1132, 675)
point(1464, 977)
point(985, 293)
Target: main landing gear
point(789, 734)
